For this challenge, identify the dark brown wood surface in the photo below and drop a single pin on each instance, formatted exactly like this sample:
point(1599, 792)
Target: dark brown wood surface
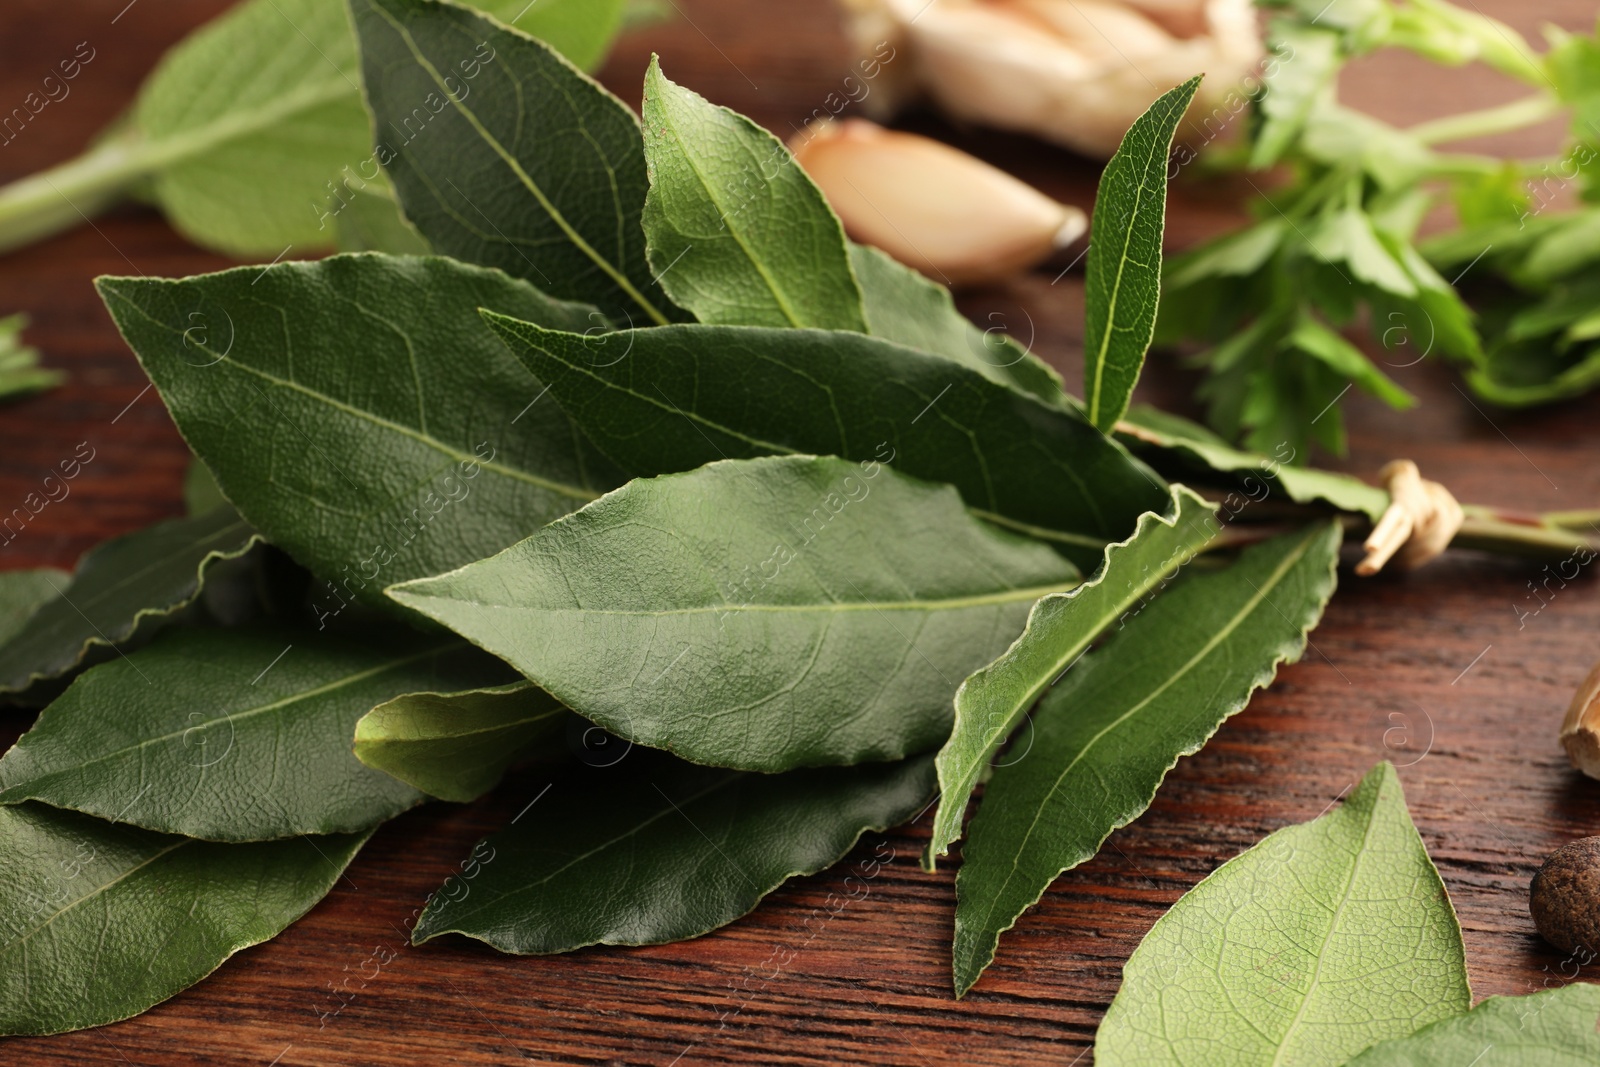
point(1457, 672)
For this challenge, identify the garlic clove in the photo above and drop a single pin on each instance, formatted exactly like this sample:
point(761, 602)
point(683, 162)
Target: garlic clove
point(1580, 731)
point(1102, 29)
point(936, 209)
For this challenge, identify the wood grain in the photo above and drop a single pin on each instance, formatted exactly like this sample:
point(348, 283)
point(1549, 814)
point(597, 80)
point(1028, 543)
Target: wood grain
point(1442, 671)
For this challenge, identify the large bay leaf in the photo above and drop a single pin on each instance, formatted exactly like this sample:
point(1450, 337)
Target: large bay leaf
point(121, 593)
point(992, 701)
point(24, 592)
point(735, 230)
point(655, 850)
point(1196, 448)
point(1123, 271)
point(909, 309)
point(644, 398)
point(1551, 1028)
point(1321, 940)
point(455, 746)
point(1104, 738)
point(99, 922)
point(234, 735)
point(760, 614)
point(360, 414)
point(531, 166)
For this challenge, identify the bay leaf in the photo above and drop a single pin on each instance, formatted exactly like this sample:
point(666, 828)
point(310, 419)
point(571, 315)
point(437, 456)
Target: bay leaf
point(1321, 940)
point(679, 849)
point(735, 230)
point(993, 700)
point(504, 154)
point(1104, 738)
point(100, 922)
point(758, 614)
point(909, 309)
point(1123, 269)
point(234, 735)
point(360, 414)
point(24, 592)
point(1033, 467)
point(1551, 1028)
point(122, 592)
point(456, 746)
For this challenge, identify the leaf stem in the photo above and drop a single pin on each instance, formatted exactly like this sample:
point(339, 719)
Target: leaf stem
point(68, 194)
point(1501, 119)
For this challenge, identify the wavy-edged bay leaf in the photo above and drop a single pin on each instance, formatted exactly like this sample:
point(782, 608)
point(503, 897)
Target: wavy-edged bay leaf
point(993, 700)
point(99, 922)
point(234, 735)
point(360, 414)
point(1551, 1028)
point(761, 614)
point(456, 746)
point(1122, 284)
point(1037, 468)
point(679, 849)
point(24, 592)
point(736, 232)
point(1105, 737)
point(122, 592)
point(1321, 940)
point(531, 166)
point(1197, 448)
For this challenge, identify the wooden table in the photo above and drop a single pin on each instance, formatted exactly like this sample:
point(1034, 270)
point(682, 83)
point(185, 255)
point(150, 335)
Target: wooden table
point(1440, 671)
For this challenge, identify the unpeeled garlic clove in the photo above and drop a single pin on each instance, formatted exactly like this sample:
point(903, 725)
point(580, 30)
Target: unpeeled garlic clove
point(936, 209)
point(1077, 72)
point(1580, 731)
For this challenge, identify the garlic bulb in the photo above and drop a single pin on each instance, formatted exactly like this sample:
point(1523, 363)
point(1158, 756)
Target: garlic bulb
point(1077, 72)
point(934, 208)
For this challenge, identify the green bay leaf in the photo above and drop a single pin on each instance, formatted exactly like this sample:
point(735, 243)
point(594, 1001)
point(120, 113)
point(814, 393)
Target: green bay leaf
point(1321, 940)
point(1105, 737)
point(456, 746)
point(679, 849)
point(1551, 1028)
point(1034, 467)
point(759, 614)
point(992, 701)
point(735, 230)
point(24, 592)
point(360, 414)
point(530, 166)
point(234, 735)
point(100, 922)
point(1123, 271)
point(123, 591)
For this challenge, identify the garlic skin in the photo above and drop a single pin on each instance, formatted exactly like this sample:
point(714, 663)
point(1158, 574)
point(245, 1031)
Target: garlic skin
point(1077, 72)
point(1580, 731)
point(932, 207)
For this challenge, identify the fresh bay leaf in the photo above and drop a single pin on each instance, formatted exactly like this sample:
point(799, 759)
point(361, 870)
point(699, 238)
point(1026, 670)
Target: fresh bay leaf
point(808, 610)
point(531, 166)
point(1321, 940)
point(99, 922)
point(24, 592)
point(1123, 283)
point(735, 231)
point(360, 414)
point(234, 735)
point(1105, 737)
point(1551, 1028)
point(1147, 429)
point(1034, 467)
point(679, 849)
point(200, 493)
point(123, 591)
point(993, 700)
point(455, 746)
point(909, 309)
